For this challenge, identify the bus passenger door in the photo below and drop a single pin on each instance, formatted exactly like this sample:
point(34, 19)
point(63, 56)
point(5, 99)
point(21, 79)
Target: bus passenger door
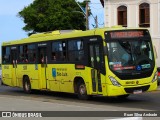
point(95, 61)
point(14, 57)
point(42, 56)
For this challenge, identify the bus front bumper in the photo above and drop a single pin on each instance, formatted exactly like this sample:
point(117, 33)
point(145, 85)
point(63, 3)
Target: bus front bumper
point(112, 90)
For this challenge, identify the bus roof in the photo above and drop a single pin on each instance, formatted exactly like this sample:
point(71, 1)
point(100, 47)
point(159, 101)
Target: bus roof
point(62, 34)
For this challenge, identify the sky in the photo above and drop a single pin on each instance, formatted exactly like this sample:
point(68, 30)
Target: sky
point(11, 24)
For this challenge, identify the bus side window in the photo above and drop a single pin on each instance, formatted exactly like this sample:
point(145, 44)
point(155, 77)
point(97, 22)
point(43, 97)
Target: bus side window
point(21, 54)
point(64, 50)
point(75, 50)
point(58, 51)
point(31, 53)
point(25, 51)
point(34, 57)
point(42, 58)
point(6, 55)
point(53, 56)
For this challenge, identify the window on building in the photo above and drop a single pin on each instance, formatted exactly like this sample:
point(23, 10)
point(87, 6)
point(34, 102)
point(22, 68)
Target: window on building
point(75, 50)
point(122, 15)
point(144, 15)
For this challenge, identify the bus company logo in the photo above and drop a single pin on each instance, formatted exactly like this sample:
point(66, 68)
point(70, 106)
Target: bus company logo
point(54, 72)
point(6, 114)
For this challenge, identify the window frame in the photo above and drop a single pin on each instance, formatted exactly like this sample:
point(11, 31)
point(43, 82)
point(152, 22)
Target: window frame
point(122, 15)
point(32, 58)
point(75, 50)
point(55, 53)
point(144, 15)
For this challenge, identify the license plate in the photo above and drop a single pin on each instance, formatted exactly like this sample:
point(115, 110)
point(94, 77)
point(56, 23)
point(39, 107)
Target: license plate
point(137, 91)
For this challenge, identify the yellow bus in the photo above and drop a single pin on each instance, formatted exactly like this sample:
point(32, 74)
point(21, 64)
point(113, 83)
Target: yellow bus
point(112, 61)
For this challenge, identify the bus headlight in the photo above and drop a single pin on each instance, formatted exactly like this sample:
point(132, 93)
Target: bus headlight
point(114, 81)
point(155, 77)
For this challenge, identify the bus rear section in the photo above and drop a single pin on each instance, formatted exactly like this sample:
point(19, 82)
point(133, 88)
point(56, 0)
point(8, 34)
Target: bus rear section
point(131, 62)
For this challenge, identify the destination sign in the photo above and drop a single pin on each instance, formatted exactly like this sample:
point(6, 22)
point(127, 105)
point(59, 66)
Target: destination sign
point(126, 34)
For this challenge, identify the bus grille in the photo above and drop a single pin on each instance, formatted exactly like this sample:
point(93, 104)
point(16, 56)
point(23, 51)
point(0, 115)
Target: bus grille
point(131, 90)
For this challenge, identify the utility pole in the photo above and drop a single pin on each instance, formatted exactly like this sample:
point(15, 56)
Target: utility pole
point(96, 21)
point(87, 15)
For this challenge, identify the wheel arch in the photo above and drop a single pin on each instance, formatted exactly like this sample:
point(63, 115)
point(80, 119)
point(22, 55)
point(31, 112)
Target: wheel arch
point(25, 76)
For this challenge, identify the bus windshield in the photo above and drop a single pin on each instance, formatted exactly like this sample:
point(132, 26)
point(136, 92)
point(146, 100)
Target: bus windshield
point(130, 56)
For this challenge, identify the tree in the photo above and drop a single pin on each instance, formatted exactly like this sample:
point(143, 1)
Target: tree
point(49, 15)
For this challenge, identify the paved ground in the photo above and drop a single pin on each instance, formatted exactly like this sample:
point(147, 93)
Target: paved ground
point(13, 99)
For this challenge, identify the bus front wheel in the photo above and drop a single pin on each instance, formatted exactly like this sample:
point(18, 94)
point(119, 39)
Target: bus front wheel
point(82, 91)
point(26, 85)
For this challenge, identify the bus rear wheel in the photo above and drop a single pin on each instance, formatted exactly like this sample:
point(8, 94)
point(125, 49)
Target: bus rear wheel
point(26, 85)
point(82, 91)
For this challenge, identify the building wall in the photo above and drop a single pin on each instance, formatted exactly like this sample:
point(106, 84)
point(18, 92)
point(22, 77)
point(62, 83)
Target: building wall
point(110, 7)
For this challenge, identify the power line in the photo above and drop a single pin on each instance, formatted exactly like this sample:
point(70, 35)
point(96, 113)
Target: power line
point(80, 7)
point(95, 3)
point(87, 14)
point(97, 8)
point(96, 18)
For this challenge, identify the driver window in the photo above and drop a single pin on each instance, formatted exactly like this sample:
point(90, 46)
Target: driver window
point(121, 52)
point(146, 49)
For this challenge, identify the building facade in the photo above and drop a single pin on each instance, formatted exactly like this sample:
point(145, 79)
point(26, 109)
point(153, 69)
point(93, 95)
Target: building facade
point(135, 13)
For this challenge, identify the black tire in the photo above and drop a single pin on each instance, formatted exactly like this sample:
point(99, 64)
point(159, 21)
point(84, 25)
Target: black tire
point(26, 85)
point(82, 91)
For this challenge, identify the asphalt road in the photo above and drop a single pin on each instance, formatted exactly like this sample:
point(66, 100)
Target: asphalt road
point(14, 99)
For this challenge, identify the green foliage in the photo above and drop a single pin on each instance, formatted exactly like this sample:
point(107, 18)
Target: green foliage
point(49, 15)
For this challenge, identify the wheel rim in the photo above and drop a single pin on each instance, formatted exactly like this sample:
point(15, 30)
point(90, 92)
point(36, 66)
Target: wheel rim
point(27, 86)
point(82, 90)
